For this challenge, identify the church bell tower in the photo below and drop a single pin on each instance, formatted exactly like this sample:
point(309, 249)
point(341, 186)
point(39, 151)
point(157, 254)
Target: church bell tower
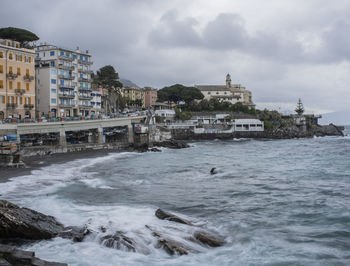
point(228, 81)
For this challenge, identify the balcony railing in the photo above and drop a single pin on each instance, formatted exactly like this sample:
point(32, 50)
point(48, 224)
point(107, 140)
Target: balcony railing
point(20, 91)
point(66, 87)
point(84, 80)
point(85, 106)
point(69, 68)
point(86, 71)
point(66, 95)
point(84, 62)
point(85, 97)
point(85, 89)
point(28, 78)
point(29, 106)
point(67, 105)
point(12, 105)
point(66, 77)
point(63, 57)
point(10, 75)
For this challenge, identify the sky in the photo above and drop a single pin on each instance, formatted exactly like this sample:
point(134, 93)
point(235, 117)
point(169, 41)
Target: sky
point(280, 50)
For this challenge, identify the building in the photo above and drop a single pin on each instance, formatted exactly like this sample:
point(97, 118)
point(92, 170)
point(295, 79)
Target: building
point(150, 96)
point(233, 93)
point(96, 101)
point(134, 96)
point(164, 111)
point(63, 81)
point(17, 85)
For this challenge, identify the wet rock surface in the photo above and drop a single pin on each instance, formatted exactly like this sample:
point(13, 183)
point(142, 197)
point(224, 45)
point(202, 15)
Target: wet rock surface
point(172, 144)
point(119, 241)
point(209, 238)
point(163, 215)
point(76, 233)
point(12, 256)
point(17, 222)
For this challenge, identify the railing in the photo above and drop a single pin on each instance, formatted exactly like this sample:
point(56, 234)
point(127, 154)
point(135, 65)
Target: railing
point(87, 97)
point(66, 77)
point(28, 78)
point(84, 80)
point(66, 95)
point(63, 57)
point(60, 66)
point(12, 105)
point(85, 89)
point(10, 75)
point(84, 62)
point(67, 87)
point(20, 91)
point(69, 105)
point(84, 106)
point(86, 71)
point(29, 106)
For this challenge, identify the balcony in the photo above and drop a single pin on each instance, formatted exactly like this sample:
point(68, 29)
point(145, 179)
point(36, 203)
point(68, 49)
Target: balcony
point(29, 106)
point(28, 78)
point(11, 105)
point(10, 75)
point(66, 95)
point(82, 89)
point(84, 80)
point(67, 58)
point(66, 77)
point(84, 62)
point(69, 68)
point(20, 91)
point(85, 106)
point(66, 105)
point(66, 87)
point(85, 97)
point(85, 71)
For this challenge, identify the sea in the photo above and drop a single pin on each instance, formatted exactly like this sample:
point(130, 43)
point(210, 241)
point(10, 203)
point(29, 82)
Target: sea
point(276, 202)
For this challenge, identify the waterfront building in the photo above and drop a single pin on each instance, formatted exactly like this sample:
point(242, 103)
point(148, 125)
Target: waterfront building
point(63, 81)
point(233, 93)
point(150, 96)
point(17, 85)
point(96, 101)
point(165, 111)
point(134, 95)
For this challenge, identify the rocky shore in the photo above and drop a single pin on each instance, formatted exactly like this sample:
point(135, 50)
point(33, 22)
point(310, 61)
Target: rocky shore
point(18, 224)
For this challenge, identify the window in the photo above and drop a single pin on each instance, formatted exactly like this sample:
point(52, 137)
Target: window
point(52, 53)
point(1, 84)
point(53, 90)
point(18, 100)
point(20, 58)
point(67, 54)
point(30, 59)
point(18, 71)
point(10, 85)
point(53, 100)
point(10, 70)
point(209, 92)
point(81, 57)
point(74, 56)
point(61, 82)
point(2, 99)
point(61, 53)
point(1, 69)
point(27, 86)
point(86, 58)
point(18, 85)
point(52, 63)
point(27, 72)
point(1, 55)
point(10, 56)
point(53, 72)
point(53, 81)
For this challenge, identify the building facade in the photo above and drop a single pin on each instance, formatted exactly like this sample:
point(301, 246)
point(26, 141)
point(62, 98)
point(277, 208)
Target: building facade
point(233, 93)
point(134, 96)
point(150, 96)
point(17, 85)
point(63, 82)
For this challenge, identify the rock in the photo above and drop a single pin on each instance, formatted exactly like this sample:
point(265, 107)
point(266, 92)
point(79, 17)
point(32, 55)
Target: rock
point(172, 144)
point(17, 257)
point(76, 233)
point(141, 147)
point(118, 241)
point(17, 222)
point(209, 239)
point(163, 215)
point(155, 150)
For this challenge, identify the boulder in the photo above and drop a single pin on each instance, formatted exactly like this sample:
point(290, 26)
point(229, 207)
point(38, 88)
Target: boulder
point(172, 144)
point(163, 215)
point(16, 257)
point(141, 147)
point(118, 241)
point(17, 222)
point(209, 238)
point(155, 150)
point(76, 233)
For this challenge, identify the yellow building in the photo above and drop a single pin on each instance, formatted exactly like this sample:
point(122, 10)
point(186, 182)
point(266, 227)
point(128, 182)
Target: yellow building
point(134, 95)
point(17, 82)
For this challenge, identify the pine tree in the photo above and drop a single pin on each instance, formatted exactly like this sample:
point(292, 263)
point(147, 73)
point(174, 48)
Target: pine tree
point(300, 108)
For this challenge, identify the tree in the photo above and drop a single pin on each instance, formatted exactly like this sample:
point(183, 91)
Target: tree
point(108, 78)
point(20, 35)
point(178, 92)
point(300, 108)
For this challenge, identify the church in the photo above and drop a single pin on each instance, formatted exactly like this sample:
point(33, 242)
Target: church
point(233, 93)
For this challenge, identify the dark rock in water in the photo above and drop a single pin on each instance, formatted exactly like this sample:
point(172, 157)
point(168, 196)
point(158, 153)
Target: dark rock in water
point(155, 150)
point(76, 233)
point(118, 241)
point(213, 171)
point(209, 239)
point(163, 215)
point(16, 257)
point(17, 222)
point(141, 147)
point(172, 144)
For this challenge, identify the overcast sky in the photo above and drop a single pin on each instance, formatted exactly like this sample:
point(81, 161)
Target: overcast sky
point(281, 50)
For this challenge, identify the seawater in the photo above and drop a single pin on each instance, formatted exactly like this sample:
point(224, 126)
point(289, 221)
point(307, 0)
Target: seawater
point(277, 202)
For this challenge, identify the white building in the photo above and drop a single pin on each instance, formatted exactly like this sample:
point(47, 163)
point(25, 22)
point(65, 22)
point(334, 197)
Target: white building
point(96, 102)
point(248, 125)
point(233, 93)
point(63, 81)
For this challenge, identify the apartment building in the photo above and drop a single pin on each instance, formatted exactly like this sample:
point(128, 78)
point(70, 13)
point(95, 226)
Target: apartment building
point(17, 85)
point(63, 82)
point(134, 96)
point(150, 96)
